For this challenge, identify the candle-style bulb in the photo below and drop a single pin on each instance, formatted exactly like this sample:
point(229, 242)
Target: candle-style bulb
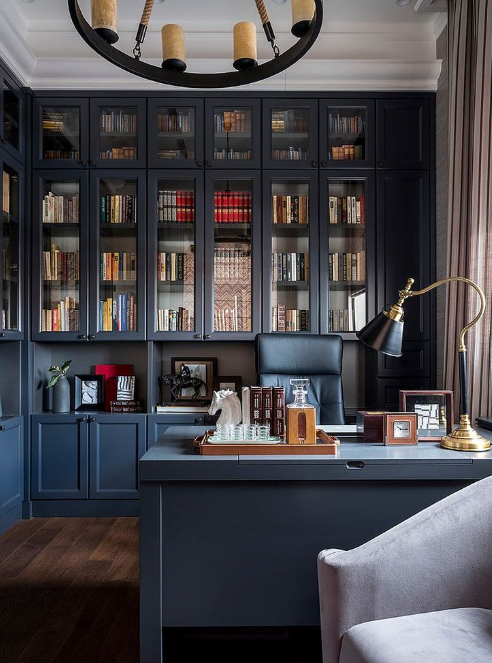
point(302, 16)
point(104, 19)
point(244, 45)
point(173, 47)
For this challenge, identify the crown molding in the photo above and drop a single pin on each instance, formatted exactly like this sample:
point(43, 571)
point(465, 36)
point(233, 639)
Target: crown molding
point(14, 48)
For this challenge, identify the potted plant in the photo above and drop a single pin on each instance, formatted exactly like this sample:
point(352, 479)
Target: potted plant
point(61, 387)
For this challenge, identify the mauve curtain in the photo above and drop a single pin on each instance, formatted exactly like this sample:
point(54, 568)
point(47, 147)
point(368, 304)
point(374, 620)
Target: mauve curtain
point(470, 195)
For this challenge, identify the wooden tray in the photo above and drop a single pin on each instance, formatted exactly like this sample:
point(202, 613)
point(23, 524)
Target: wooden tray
point(327, 445)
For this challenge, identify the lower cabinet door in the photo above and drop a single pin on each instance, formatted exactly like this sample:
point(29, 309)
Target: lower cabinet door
point(59, 457)
point(117, 443)
point(10, 464)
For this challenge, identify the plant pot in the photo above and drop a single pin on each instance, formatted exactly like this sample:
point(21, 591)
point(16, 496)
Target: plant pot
point(61, 395)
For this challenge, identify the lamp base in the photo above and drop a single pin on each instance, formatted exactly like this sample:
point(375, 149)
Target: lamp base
point(465, 438)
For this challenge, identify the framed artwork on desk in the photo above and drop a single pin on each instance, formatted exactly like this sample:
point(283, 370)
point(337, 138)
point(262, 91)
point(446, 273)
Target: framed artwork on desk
point(434, 410)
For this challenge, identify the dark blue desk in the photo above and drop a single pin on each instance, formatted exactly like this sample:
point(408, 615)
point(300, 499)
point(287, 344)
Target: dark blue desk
point(233, 540)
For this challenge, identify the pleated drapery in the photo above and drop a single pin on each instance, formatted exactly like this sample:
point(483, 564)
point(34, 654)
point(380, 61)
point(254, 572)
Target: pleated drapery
point(469, 251)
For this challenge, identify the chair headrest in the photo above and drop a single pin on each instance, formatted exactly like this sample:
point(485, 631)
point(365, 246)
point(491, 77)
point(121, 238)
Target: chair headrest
point(300, 354)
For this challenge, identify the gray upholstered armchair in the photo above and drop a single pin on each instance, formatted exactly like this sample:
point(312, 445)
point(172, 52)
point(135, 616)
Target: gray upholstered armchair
point(419, 593)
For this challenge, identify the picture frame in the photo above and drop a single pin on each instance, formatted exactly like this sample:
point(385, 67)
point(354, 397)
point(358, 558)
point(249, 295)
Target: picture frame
point(233, 382)
point(88, 392)
point(400, 428)
point(434, 408)
point(203, 367)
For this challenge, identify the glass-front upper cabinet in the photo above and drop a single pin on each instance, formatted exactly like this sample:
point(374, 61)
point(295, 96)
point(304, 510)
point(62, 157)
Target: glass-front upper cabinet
point(175, 129)
point(61, 133)
point(232, 255)
point(290, 253)
point(12, 118)
point(346, 238)
point(117, 281)
point(118, 133)
point(347, 138)
point(232, 133)
point(60, 256)
point(11, 237)
point(175, 263)
point(290, 133)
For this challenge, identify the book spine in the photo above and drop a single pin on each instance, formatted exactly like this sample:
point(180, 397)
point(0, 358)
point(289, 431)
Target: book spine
point(256, 405)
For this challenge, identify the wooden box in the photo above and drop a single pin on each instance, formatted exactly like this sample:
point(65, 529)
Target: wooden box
point(370, 424)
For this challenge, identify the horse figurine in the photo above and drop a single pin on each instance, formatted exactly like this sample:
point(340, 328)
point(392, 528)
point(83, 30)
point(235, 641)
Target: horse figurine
point(183, 380)
point(229, 404)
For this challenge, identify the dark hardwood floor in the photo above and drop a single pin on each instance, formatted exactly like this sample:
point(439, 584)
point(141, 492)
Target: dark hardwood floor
point(69, 594)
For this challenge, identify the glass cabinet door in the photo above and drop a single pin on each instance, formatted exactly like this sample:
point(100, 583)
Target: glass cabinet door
point(291, 134)
point(11, 250)
point(117, 298)
point(232, 297)
point(346, 216)
point(59, 264)
point(176, 256)
point(291, 251)
point(175, 133)
point(12, 110)
point(233, 135)
point(61, 133)
point(118, 135)
point(347, 134)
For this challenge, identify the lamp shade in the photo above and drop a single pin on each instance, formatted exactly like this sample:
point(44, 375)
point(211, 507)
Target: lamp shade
point(383, 334)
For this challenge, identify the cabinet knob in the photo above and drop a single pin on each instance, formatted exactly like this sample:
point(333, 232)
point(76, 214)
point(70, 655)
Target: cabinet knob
point(91, 337)
point(82, 420)
point(2, 428)
point(199, 164)
point(83, 163)
point(381, 164)
point(314, 164)
point(2, 334)
point(208, 164)
point(93, 164)
point(82, 337)
point(323, 164)
point(206, 337)
point(196, 336)
point(91, 420)
point(198, 420)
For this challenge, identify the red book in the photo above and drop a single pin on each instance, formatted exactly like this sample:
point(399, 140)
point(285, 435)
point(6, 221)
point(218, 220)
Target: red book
point(235, 207)
point(240, 208)
point(224, 202)
point(179, 206)
point(111, 372)
point(216, 207)
point(362, 200)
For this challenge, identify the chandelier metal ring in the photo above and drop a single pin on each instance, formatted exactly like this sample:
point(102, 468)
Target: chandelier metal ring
point(190, 79)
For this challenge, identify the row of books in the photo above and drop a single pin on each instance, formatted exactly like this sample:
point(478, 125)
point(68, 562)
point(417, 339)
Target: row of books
point(232, 206)
point(290, 266)
point(61, 316)
point(236, 155)
point(346, 152)
point(290, 209)
point(289, 320)
point(179, 122)
point(61, 265)
point(284, 121)
point(118, 313)
point(346, 124)
point(291, 154)
point(232, 318)
point(119, 153)
point(60, 209)
point(59, 121)
point(118, 266)
point(347, 266)
point(264, 406)
point(118, 121)
point(175, 205)
point(347, 209)
point(339, 320)
point(235, 120)
point(117, 208)
point(61, 154)
point(169, 319)
point(232, 265)
point(172, 266)
point(175, 153)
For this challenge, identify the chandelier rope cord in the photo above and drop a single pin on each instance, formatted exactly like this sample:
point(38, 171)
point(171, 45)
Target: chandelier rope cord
point(267, 26)
point(142, 28)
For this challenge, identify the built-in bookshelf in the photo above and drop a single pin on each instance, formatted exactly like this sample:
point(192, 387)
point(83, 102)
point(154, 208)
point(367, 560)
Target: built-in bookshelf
point(60, 133)
point(346, 134)
point(118, 133)
point(232, 134)
point(10, 256)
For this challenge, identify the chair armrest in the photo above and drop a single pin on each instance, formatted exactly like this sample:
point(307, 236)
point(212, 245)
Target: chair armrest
point(440, 558)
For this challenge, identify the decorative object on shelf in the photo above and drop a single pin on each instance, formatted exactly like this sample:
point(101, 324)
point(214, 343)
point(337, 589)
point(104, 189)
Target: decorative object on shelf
point(61, 387)
point(307, 18)
point(110, 372)
point(232, 382)
point(183, 380)
point(228, 402)
point(198, 368)
point(89, 392)
point(370, 425)
point(126, 406)
point(434, 410)
point(125, 387)
point(385, 334)
point(400, 428)
point(301, 415)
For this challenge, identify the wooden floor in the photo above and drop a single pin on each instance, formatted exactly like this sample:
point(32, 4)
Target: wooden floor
point(69, 594)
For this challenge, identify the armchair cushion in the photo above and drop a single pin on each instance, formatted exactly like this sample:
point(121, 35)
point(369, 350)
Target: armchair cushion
point(462, 635)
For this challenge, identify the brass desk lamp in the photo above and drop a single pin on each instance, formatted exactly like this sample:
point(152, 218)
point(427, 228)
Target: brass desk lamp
point(385, 333)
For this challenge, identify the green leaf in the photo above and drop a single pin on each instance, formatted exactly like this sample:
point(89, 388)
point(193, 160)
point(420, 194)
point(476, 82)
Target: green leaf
point(65, 366)
point(51, 369)
point(53, 380)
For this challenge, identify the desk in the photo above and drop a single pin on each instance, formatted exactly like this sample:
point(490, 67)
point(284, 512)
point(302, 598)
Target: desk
point(233, 540)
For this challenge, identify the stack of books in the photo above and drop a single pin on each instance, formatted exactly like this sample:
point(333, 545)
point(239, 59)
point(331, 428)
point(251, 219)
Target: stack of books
point(60, 209)
point(264, 405)
point(175, 206)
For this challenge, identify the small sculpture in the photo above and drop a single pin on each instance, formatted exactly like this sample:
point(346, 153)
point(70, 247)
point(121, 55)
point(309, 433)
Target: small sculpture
point(227, 401)
point(183, 380)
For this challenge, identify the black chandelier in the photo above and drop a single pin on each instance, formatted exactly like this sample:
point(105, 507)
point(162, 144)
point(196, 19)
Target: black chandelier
point(307, 17)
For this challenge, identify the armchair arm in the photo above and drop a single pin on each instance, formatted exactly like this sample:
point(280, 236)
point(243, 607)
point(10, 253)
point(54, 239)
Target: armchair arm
point(438, 559)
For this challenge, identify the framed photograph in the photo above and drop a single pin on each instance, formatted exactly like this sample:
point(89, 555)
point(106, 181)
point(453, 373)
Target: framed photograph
point(89, 392)
point(200, 369)
point(125, 387)
point(232, 382)
point(400, 428)
point(434, 411)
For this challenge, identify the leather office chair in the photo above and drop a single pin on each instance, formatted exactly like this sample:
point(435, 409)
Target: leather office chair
point(280, 357)
point(419, 593)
